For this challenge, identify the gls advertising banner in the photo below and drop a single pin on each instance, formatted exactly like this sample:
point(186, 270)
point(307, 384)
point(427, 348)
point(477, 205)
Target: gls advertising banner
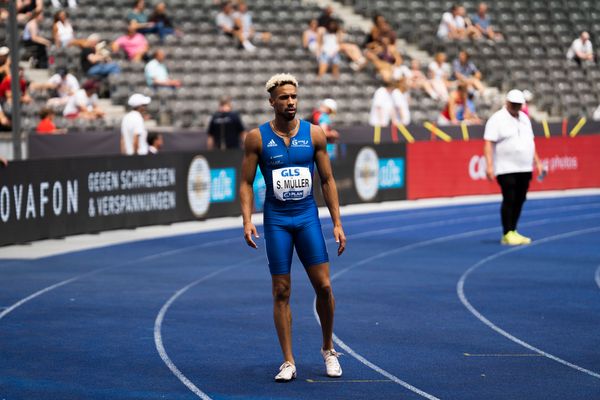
point(439, 169)
point(54, 198)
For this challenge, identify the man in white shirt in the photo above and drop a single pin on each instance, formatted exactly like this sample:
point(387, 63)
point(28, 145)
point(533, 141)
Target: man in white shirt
point(389, 104)
point(157, 74)
point(454, 25)
point(133, 130)
point(63, 84)
point(84, 102)
point(581, 50)
point(226, 22)
point(510, 153)
point(243, 19)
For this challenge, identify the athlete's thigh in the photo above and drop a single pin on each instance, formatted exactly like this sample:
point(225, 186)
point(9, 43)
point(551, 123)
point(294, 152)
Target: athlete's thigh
point(310, 244)
point(279, 242)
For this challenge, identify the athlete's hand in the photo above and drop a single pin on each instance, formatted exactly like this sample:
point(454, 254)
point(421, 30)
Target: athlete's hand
point(249, 231)
point(340, 239)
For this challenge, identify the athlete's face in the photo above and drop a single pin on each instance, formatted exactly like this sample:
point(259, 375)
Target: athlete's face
point(284, 100)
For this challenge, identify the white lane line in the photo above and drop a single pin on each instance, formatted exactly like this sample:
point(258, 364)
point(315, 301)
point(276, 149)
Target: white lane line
point(32, 296)
point(371, 365)
point(460, 289)
point(598, 276)
point(170, 252)
point(461, 210)
point(47, 289)
point(477, 232)
point(161, 316)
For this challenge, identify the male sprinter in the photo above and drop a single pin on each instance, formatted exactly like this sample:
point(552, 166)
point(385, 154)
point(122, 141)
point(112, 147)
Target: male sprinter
point(286, 150)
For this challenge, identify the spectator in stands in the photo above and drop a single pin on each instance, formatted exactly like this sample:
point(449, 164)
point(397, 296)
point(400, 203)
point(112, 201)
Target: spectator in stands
point(134, 44)
point(454, 26)
point(134, 135)
point(329, 50)
point(95, 58)
point(62, 31)
point(84, 103)
point(459, 108)
point(6, 93)
point(389, 104)
point(46, 125)
point(326, 17)
point(581, 50)
point(330, 44)
point(163, 24)
point(71, 3)
point(243, 19)
point(4, 62)
point(379, 28)
point(385, 57)
point(416, 80)
point(139, 18)
point(62, 85)
point(327, 109)
point(157, 74)
point(34, 43)
point(226, 129)
point(310, 37)
point(5, 124)
point(226, 23)
point(352, 51)
point(155, 142)
point(464, 71)
point(26, 8)
point(439, 73)
point(483, 23)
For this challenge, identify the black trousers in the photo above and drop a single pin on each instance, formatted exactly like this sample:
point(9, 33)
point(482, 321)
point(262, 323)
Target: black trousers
point(38, 52)
point(514, 192)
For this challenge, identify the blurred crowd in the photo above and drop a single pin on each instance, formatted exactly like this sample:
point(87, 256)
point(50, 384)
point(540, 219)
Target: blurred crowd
point(455, 84)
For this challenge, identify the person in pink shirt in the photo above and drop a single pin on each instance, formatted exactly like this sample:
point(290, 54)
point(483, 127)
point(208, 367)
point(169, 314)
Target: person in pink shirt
point(134, 44)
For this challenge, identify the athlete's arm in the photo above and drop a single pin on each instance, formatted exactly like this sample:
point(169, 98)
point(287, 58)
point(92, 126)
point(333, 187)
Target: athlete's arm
point(328, 187)
point(252, 147)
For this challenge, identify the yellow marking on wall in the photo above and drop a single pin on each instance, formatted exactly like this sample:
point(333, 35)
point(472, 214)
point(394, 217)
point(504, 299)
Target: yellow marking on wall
point(465, 131)
point(437, 132)
point(409, 138)
point(577, 127)
point(546, 129)
point(377, 135)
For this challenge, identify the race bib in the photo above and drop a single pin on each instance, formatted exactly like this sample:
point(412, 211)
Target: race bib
point(293, 183)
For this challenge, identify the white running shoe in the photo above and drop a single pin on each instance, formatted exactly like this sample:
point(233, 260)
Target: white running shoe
point(332, 365)
point(287, 372)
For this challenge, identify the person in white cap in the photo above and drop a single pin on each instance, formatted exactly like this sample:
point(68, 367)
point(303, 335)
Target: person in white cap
point(510, 153)
point(328, 108)
point(133, 129)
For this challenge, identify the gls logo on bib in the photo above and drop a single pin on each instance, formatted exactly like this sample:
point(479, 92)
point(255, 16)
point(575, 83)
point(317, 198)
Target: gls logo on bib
point(293, 183)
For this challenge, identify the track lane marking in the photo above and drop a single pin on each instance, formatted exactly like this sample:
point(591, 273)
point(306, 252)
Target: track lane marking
point(460, 290)
point(412, 246)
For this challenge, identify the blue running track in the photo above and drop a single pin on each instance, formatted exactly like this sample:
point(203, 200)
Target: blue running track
point(429, 305)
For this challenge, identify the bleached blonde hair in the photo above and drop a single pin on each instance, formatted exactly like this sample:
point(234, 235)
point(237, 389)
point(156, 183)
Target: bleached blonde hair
point(280, 79)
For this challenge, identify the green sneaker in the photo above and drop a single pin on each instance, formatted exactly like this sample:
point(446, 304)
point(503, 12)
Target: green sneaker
point(511, 239)
point(524, 239)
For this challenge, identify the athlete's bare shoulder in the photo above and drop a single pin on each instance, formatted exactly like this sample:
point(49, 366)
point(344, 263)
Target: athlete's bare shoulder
point(318, 136)
point(253, 141)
